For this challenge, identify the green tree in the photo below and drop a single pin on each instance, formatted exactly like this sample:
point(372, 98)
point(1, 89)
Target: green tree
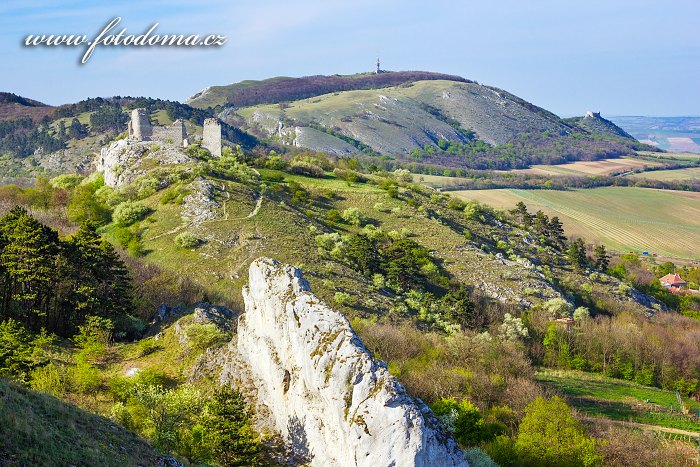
point(15, 351)
point(229, 427)
point(84, 207)
point(541, 223)
point(109, 117)
point(403, 260)
point(363, 253)
point(28, 261)
point(460, 307)
point(576, 254)
point(77, 130)
point(601, 258)
point(521, 215)
point(549, 435)
point(665, 268)
point(556, 231)
point(463, 419)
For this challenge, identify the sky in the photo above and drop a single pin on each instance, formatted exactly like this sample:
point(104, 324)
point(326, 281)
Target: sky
point(619, 57)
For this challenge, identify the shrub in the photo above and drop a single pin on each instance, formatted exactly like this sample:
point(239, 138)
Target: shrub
point(353, 216)
point(456, 204)
point(129, 212)
point(581, 313)
point(66, 181)
point(380, 207)
point(378, 281)
point(478, 458)
point(502, 451)
point(48, 379)
point(85, 378)
point(403, 175)
point(306, 168)
point(463, 419)
point(342, 298)
point(187, 240)
point(549, 435)
point(558, 307)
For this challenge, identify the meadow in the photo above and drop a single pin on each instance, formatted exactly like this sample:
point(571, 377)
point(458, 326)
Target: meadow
point(600, 396)
point(661, 222)
point(692, 173)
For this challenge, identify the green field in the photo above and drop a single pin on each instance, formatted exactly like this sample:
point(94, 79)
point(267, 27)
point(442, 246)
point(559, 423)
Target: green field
point(692, 173)
point(661, 222)
point(599, 396)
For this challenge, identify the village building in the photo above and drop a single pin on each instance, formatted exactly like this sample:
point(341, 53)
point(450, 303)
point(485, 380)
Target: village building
point(673, 282)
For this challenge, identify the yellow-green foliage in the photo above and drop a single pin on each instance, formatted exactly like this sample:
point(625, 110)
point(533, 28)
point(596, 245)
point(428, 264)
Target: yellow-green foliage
point(549, 435)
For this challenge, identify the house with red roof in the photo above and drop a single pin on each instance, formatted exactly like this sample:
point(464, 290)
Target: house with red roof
point(673, 282)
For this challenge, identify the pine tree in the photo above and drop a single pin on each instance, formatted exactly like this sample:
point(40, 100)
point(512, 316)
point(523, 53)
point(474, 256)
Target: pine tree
point(29, 261)
point(521, 214)
point(556, 230)
point(229, 428)
point(576, 253)
point(541, 223)
point(601, 258)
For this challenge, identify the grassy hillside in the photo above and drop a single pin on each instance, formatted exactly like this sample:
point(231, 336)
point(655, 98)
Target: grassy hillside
point(38, 429)
point(399, 118)
point(611, 398)
point(626, 219)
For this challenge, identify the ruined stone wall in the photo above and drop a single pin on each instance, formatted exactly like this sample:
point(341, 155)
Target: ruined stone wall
point(174, 134)
point(211, 136)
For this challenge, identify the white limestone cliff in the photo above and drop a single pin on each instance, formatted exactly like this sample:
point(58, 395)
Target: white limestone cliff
point(328, 398)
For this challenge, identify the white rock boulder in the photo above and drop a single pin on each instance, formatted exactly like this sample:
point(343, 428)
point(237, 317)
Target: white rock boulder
point(332, 402)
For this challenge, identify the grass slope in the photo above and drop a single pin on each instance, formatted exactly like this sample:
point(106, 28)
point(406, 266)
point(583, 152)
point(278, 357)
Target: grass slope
point(640, 219)
point(38, 429)
point(674, 175)
point(615, 399)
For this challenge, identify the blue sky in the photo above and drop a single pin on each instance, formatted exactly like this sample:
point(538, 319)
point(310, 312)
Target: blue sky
point(620, 57)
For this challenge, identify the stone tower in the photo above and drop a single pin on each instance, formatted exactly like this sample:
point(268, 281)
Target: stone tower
point(211, 136)
point(140, 128)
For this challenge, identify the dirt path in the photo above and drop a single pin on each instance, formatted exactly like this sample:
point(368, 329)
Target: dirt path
point(647, 427)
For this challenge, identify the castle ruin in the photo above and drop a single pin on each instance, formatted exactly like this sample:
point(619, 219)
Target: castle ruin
point(140, 129)
point(211, 136)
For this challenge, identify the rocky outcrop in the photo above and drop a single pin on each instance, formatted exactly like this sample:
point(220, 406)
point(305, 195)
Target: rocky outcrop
point(329, 399)
point(200, 205)
point(123, 161)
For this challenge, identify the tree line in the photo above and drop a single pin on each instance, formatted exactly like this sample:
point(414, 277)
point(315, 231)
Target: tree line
point(53, 283)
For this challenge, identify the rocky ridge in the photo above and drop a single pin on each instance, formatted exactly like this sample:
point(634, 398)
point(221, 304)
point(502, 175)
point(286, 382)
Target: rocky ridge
point(328, 398)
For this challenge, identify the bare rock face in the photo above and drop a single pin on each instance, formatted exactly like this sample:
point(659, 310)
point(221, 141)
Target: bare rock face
point(123, 160)
point(328, 398)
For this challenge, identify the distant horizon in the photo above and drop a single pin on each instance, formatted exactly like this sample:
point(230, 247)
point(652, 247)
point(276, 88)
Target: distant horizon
point(564, 115)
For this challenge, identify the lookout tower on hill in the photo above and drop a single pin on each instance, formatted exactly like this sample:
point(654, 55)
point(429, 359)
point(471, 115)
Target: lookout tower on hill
point(378, 70)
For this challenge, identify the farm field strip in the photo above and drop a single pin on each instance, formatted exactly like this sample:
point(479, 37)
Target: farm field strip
point(692, 173)
point(623, 218)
